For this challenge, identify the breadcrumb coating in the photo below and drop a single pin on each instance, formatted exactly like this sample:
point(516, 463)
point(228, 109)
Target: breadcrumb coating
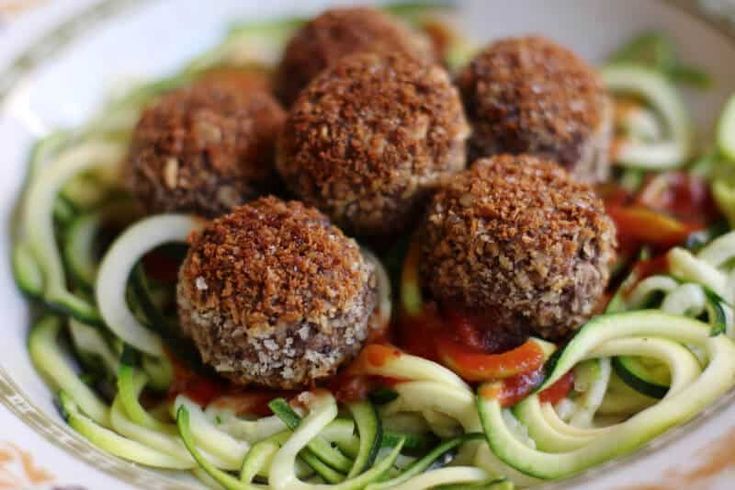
point(518, 240)
point(369, 138)
point(531, 95)
point(205, 148)
point(339, 32)
point(273, 294)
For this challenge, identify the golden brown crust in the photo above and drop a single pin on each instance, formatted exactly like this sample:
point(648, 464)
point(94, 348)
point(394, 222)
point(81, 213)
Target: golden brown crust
point(338, 32)
point(368, 138)
point(273, 294)
point(516, 238)
point(531, 95)
point(205, 148)
point(270, 262)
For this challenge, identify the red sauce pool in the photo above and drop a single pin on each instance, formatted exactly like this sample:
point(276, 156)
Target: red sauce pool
point(559, 390)
point(205, 390)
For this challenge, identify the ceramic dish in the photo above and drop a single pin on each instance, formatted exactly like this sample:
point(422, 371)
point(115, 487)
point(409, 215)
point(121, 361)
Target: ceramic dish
point(65, 77)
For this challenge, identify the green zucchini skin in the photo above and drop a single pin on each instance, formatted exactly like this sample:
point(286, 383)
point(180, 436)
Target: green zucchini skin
point(717, 378)
point(370, 431)
point(61, 273)
point(635, 375)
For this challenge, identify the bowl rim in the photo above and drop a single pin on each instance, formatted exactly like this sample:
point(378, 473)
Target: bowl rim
point(52, 430)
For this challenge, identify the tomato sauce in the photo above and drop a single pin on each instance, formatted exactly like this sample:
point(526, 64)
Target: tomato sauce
point(681, 195)
point(638, 225)
point(475, 365)
point(249, 401)
point(200, 388)
point(667, 209)
point(416, 334)
point(514, 389)
point(518, 387)
point(559, 390)
point(206, 389)
point(162, 266)
point(651, 267)
point(378, 355)
point(347, 387)
point(359, 379)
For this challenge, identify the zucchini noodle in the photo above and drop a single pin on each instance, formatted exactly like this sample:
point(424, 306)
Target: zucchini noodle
point(163, 442)
point(682, 364)
point(49, 359)
point(636, 373)
point(247, 430)
point(443, 476)
point(113, 442)
point(222, 445)
point(90, 344)
point(546, 436)
point(413, 368)
point(697, 284)
point(662, 97)
point(715, 380)
point(39, 227)
point(124, 254)
point(592, 394)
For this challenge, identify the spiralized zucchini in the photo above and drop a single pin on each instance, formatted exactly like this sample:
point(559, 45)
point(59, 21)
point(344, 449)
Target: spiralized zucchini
point(38, 225)
point(716, 379)
point(675, 147)
point(431, 429)
point(115, 269)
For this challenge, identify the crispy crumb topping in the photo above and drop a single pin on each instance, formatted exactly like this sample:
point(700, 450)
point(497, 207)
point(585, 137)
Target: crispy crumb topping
point(369, 137)
point(205, 148)
point(272, 262)
point(531, 95)
point(273, 294)
point(517, 238)
point(339, 32)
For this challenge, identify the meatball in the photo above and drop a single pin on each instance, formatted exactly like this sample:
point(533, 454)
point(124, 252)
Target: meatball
point(339, 32)
point(368, 139)
point(273, 294)
point(205, 148)
point(530, 95)
point(516, 240)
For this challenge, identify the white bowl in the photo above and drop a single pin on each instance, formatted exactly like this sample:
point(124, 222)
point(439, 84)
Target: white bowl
point(60, 78)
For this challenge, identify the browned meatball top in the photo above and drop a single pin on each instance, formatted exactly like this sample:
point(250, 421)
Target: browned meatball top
point(516, 238)
point(367, 139)
point(338, 32)
point(204, 148)
point(530, 95)
point(271, 263)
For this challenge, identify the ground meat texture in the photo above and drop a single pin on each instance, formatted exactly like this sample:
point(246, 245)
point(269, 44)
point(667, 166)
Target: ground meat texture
point(273, 294)
point(205, 148)
point(516, 239)
point(339, 32)
point(370, 137)
point(530, 95)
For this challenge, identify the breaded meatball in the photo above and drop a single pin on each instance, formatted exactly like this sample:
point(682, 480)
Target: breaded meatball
point(518, 241)
point(530, 95)
point(368, 138)
point(205, 148)
point(273, 294)
point(339, 32)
